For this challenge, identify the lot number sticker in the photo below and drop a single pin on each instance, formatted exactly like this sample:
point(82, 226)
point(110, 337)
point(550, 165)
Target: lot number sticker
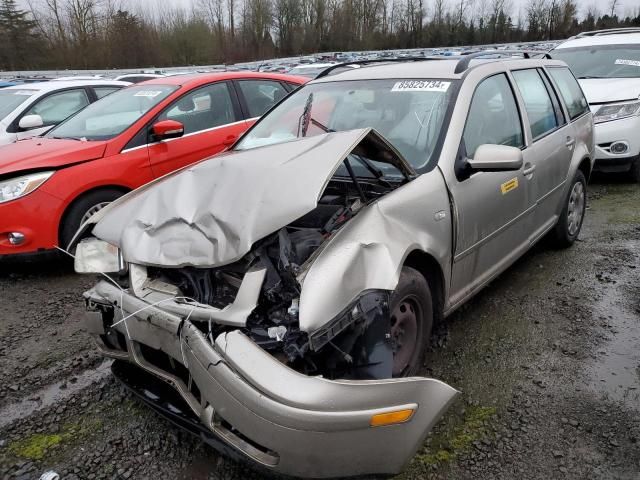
point(622, 61)
point(421, 86)
point(148, 93)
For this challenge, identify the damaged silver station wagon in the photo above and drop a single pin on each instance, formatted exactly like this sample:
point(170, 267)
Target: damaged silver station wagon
point(278, 299)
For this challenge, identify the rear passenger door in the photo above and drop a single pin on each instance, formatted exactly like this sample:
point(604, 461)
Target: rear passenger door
point(259, 95)
point(551, 139)
point(492, 208)
point(212, 122)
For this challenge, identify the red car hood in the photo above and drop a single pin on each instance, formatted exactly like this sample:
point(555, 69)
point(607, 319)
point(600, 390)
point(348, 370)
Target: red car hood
point(39, 153)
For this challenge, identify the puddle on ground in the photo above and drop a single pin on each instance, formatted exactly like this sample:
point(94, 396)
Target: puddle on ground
point(55, 393)
point(615, 373)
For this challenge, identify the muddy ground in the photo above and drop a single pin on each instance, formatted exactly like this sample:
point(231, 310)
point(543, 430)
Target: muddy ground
point(547, 358)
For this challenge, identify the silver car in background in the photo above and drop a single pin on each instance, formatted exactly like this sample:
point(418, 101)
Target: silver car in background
point(286, 290)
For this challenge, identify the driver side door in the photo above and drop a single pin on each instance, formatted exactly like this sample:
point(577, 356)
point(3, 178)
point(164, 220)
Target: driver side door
point(492, 207)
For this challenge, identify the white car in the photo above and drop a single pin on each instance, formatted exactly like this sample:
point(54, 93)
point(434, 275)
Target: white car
point(607, 66)
point(32, 109)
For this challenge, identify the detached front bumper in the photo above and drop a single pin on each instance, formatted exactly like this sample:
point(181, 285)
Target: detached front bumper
point(285, 421)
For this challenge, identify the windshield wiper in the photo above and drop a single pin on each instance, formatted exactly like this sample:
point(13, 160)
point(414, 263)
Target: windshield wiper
point(587, 77)
point(68, 138)
point(375, 171)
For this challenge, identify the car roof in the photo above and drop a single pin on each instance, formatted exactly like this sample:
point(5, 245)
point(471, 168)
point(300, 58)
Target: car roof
point(604, 39)
point(432, 68)
point(197, 79)
point(51, 86)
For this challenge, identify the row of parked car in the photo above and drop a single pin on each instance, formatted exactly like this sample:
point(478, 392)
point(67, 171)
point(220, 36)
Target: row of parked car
point(285, 290)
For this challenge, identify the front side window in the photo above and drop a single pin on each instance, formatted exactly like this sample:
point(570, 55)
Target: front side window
point(410, 114)
point(10, 99)
point(602, 61)
point(113, 114)
point(57, 107)
point(261, 95)
point(493, 116)
point(570, 91)
point(201, 109)
point(537, 102)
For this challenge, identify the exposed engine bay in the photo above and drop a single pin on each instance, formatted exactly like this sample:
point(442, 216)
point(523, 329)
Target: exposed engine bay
point(345, 351)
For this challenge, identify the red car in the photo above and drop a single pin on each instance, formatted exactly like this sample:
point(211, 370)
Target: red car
point(50, 185)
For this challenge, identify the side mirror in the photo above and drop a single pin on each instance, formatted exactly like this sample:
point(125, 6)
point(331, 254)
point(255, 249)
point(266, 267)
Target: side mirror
point(29, 122)
point(165, 129)
point(496, 158)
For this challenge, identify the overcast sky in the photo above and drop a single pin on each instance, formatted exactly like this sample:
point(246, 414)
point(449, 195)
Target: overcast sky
point(624, 7)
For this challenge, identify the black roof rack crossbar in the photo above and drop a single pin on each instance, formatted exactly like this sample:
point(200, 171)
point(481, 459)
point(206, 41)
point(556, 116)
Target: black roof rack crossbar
point(330, 69)
point(464, 62)
point(608, 31)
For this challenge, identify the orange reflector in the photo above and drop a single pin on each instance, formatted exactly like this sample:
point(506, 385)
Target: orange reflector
point(391, 418)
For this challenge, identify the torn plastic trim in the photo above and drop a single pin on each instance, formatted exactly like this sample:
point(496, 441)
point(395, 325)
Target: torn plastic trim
point(234, 314)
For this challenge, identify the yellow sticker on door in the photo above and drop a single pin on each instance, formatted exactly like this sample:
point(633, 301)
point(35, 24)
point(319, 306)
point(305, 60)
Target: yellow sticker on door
point(506, 187)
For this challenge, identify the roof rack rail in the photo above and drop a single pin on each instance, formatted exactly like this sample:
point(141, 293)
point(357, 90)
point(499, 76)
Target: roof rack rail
point(330, 69)
point(464, 62)
point(607, 31)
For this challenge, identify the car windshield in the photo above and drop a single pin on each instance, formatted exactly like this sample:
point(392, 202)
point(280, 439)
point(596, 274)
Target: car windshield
point(10, 99)
point(408, 113)
point(113, 114)
point(602, 61)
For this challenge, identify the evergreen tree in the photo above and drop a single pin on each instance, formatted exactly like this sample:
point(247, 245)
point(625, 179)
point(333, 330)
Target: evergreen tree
point(20, 40)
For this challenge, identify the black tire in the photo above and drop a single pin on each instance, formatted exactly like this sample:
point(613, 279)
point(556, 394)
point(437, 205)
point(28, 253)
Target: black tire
point(411, 296)
point(635, 171)
point(571, 219)
point(76, 212)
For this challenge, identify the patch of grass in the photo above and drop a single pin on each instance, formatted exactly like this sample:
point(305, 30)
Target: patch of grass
point(39, 445)
point(453, 442)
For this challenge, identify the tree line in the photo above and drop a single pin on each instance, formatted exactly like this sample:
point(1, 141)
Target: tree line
point(84, 34)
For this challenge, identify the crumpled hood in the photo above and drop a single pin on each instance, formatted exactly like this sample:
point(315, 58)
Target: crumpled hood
point(604, 90)
point(41, 153)
point(211, 213)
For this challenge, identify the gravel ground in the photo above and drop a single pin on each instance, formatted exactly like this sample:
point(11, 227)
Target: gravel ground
point(546, 357)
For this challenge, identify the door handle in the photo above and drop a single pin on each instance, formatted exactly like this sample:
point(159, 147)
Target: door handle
point(570, 142)
point(529, 170)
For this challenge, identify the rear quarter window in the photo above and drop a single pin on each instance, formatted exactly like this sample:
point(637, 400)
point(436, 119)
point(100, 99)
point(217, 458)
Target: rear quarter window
point(569, 90)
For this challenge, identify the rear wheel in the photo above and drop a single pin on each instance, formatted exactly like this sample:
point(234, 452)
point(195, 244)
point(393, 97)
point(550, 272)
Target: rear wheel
point(82, 210)
point(411, 322)
point(569, 224)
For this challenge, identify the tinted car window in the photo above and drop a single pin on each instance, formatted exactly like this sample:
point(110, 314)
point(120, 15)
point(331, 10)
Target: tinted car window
point(537, 102)
point(493, 116)
point(261, 95)
point(104, 91)
point(59, 106)
point(204, 108)
point(570, 91)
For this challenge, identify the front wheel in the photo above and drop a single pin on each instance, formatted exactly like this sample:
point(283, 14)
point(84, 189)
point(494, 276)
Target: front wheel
point(82, 210)
point(411, 321)
point(570, 222)
point(635, 171)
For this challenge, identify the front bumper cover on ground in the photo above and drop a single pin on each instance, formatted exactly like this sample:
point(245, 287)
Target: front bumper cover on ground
point(285, 421)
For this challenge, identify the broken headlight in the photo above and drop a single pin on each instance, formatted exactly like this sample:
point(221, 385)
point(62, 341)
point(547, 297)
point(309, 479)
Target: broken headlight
point(97, 256)
point(369, 306)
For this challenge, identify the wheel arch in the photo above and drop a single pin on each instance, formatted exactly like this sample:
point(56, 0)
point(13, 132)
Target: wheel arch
point(585, 167)
point(65, 214)
point(431, 270)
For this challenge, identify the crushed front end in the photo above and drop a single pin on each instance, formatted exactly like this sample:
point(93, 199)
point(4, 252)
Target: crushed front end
point(230, 339)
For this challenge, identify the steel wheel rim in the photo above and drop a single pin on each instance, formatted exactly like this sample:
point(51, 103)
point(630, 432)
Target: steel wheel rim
point(92, 211)
point(404, 333)
point(575, 208)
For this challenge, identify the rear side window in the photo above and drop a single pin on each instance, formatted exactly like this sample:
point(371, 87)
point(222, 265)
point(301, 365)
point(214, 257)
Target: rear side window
point(104, 91)
point(570, 91)
point(493, 116)
point(537, 102)
point(261, 95)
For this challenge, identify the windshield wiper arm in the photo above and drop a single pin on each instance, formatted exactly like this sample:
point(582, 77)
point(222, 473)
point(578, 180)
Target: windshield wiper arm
point(321, 126)
point(375, 171)
point(587, 77)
